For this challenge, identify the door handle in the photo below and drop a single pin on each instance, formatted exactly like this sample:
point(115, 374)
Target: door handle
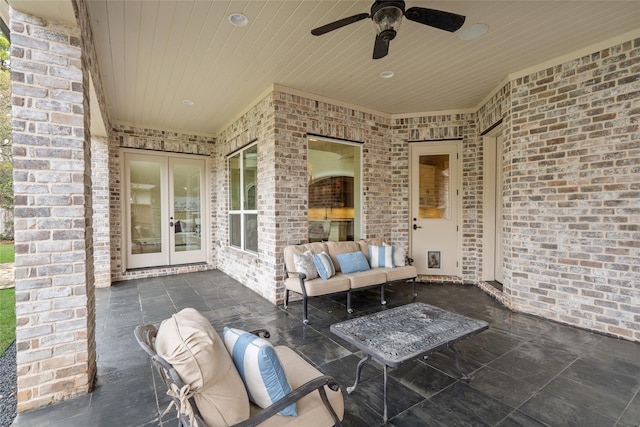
point(416, 226)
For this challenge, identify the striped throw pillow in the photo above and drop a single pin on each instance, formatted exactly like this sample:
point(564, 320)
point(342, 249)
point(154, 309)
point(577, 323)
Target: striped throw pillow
point(323, 263)
point(381, 256)
point(259, 367)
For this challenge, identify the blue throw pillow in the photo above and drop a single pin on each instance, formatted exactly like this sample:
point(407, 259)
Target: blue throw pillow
point(324, 265)
point(352, 262)
point(381, 256)
point(259, 367)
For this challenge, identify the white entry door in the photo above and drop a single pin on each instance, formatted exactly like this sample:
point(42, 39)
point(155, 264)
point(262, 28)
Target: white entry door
point(164, 209)
point(435, 207)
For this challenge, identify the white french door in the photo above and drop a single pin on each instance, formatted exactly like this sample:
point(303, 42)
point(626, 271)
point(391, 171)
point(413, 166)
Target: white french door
point(164, 209)
point(435, 207)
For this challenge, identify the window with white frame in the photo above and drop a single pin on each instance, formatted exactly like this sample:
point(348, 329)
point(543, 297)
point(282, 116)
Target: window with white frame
point(243, 209)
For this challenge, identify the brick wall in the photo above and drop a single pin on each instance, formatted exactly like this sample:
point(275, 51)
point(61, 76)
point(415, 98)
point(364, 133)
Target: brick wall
point(53, 231)
point(573, 192)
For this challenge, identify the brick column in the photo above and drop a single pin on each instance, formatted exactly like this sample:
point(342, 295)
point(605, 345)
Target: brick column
point(53, 227)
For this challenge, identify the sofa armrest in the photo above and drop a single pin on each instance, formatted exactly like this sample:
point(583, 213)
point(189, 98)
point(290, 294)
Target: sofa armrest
point(309, 387)
point(409, 260)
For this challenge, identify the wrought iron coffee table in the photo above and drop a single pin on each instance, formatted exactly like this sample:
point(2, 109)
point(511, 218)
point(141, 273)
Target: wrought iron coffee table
point(401, 334)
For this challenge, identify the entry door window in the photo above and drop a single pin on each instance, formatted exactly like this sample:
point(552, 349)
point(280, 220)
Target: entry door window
point(164, 210)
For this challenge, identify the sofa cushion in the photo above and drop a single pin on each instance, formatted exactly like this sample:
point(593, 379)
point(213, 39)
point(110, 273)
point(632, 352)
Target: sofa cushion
point(259, 368)
point(352, 262)
point(364, 245)
point(315, 287)
point(401, 273)
point(189, 343)
point(305, 265)
point(324, 265)
point(361, 279)
point(315, 247)
point(381, 256)
point(336, 248)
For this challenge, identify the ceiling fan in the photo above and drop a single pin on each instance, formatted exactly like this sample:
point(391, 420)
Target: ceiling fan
point(387, 15)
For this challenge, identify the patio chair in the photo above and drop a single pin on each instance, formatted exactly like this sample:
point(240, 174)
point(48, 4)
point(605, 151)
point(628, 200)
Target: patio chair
point(203, 380)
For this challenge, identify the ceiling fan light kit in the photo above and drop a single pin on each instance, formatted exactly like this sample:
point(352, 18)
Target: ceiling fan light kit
point(387, 16)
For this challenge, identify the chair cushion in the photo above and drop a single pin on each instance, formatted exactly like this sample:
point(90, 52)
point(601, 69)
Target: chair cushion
point(381, 256)
point(324, 265)
point(352, 262)
point(311, 411)
point(189, 343)
point(259, 368)
point(304, 264)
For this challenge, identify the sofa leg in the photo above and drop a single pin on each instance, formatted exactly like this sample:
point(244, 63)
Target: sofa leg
point(305, 320)
point(383, 301)
point(413, 287)
point(286, 298)
point(349, 309)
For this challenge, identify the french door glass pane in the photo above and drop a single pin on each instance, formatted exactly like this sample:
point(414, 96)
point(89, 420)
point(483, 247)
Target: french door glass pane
point(186, 207)
point(434, 187)
point(144, 190)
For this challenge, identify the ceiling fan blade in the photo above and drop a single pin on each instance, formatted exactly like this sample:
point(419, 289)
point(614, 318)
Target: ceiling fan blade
point(435, 18)
point(380, 48)
point(338, 24)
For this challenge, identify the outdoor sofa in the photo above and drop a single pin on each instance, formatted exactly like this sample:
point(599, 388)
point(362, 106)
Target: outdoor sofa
point(323, 268)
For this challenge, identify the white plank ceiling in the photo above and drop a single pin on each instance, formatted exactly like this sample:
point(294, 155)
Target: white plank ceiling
point(155, 54)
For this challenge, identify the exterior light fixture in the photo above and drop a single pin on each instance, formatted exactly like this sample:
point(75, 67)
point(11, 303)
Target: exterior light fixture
point(238, 19)
point(473, 32)
point(386, 17)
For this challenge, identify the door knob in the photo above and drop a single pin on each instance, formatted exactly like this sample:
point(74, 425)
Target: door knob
point(416, 226)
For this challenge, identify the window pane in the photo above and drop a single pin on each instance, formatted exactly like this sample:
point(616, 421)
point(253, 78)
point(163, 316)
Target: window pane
point(250, 172)
point(234, 182)
point(235, 230)
point(334, 190)
point(251, 232)
point(145, 205)
point(434, 186)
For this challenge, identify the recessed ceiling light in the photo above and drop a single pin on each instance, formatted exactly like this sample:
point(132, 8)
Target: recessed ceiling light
point(387, 74)
point(473, 32)
point(238, 19)
point(187, 102)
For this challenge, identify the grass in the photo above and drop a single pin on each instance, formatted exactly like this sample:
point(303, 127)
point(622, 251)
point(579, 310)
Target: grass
point(6, 253)
point(7, 318)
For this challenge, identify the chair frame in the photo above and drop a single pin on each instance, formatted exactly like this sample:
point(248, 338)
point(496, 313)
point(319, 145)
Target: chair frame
point(146, 334)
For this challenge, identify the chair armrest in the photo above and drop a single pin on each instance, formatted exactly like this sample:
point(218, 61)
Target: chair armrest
point(409, 260)
point(315, 384)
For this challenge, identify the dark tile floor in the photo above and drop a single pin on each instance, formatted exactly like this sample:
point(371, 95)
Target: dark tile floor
point(526, 371)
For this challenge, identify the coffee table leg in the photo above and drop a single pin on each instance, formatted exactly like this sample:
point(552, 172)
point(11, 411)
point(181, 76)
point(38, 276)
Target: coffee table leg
point(463, 376)
point(358, 371)
point(384, 415)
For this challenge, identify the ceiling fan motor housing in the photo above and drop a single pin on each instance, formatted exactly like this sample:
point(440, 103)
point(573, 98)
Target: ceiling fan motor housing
point(387, 16)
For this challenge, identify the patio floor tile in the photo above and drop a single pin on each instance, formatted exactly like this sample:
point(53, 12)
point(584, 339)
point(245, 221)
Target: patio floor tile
point(526, 371)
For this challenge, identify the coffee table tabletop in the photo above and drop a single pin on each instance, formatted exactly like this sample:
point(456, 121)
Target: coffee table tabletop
point(403, 333)
point(400, 334)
